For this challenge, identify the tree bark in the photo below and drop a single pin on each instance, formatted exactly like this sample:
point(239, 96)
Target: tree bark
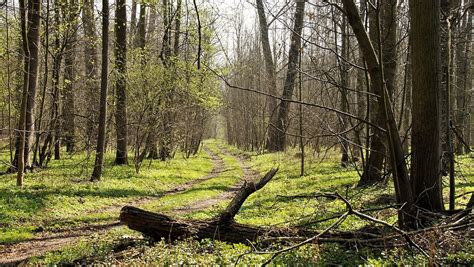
point(20, 155)
point(91, 61)
point(426, 147)
point(277, 134)
point(30, 24)
point(400, 173)
point(462, 58)
point(383, 33)
point(223, 227)
point(70, 78)
point(121, 157)
point(140, 36)
point(100, 150)
point(269, 68)
point(344, 84)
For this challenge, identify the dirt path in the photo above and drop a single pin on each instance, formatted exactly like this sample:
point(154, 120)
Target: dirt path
point(249, 175)
point(48, 241)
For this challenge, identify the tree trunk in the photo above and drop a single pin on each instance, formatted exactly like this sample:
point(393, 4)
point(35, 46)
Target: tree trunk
point(133, 20)
point(70, 78)
point(121, 157)
point(277, 134)
point(362, 85)
point(31, 43)
point(20, 155)
point(400, 173)
point(160, 226)
point(177, 28)
point(462, 58)
point(270, 83)
point(344, 84)
point(166, 52)
point(383, 33)
point(140, 36)
point(426, 150)
point(91, 61)
point(100, 150)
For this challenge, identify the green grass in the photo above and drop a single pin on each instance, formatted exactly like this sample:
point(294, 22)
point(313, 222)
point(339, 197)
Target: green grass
point(62, 195)
point(51, 198)
point(231, 175)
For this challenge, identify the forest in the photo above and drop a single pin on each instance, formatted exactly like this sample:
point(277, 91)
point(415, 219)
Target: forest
point(236, 132)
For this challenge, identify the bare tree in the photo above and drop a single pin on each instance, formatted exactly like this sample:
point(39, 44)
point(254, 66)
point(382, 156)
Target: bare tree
point(401, 179)
point(30, 27)
point(91, 68)
point(100, 150)
point(426, 150)
point(277, 133)
point(121, 157)
point(69, 125)
point(269, 65)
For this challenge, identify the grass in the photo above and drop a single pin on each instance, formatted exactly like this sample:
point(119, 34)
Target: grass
point(62, 195)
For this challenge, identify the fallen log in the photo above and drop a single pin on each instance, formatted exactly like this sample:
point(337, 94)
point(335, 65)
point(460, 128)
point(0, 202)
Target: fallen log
point(224, 228)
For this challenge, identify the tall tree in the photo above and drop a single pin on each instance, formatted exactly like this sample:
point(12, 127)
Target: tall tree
point(383, 34)
point(277, 134)
point(270, 80)
point(69, 125)
point(91, 69)
point(166, 53)
point(463, 56)
point(121, 82)
point(426, 150)
point(30, 27)
point(344, 84)
point(100, 150)
point(403, 189)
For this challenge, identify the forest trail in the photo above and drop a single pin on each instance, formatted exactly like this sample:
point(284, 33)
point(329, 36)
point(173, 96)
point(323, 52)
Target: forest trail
point(51, 241)
point(249, 175)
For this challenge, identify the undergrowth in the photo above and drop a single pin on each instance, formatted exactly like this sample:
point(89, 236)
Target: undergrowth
point(62, 195)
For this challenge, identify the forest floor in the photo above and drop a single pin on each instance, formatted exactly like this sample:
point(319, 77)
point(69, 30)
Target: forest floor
point(60, 217)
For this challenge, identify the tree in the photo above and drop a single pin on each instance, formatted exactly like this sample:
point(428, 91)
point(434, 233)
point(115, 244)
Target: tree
point(277, 133)
point(91, 68)
point(383, 34)
point(463, 81)
point(426, 146)
point(403, 189)
point(100, 150)
point(121, 82)
point(269, 66)
point(69, 125)
point(30, 28)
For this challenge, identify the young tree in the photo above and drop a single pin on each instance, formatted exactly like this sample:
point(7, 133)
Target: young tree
point(100, 150)
point(121, 83)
